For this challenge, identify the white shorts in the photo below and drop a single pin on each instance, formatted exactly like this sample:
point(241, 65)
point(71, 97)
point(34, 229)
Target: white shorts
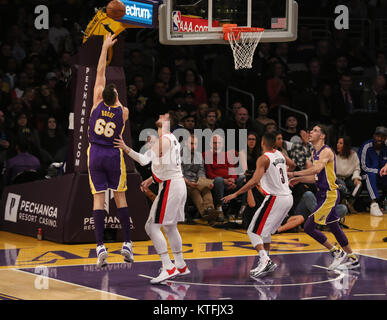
point(168, 207)
point(270, 215)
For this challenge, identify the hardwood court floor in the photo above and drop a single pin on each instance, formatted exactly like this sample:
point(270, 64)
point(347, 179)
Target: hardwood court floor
point(219, 259)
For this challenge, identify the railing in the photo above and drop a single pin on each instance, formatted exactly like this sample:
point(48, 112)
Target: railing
point(280, 107)
point(245, 93)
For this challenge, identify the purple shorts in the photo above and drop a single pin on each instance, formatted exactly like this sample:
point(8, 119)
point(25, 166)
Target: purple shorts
point(106, 168)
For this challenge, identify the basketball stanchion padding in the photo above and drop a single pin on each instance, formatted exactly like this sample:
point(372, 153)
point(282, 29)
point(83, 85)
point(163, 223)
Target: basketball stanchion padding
point(243, 42)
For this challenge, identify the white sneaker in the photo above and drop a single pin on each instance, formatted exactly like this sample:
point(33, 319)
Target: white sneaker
point(264, 267)
point(183, 271)
point(375, 210)
point(350, 263)
point(101, 256)
point(127, 252)
point(165, 274)
point(338, 258)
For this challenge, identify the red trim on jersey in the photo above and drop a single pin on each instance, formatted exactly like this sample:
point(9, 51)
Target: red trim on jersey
point(165, 199)
point(266, 214)
point(156, 179)
point(264, 192)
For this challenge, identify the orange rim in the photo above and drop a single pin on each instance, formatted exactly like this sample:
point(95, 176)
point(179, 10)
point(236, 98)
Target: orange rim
point(233, 28)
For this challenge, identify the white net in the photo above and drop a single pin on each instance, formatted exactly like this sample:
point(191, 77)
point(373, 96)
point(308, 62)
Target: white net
point(243, 48)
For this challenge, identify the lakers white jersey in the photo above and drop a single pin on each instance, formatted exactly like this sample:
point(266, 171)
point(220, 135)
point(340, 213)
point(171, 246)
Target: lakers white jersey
point(169, 165)
point(275, 179)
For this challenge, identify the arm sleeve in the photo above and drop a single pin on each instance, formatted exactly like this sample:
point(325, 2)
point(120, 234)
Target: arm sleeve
point(142, 159)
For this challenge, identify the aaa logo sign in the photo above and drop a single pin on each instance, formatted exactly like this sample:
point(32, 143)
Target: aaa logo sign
point(182, 23)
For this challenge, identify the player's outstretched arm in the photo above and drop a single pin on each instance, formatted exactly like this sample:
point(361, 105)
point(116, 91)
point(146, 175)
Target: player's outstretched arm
point(142, 159)
point(325, 157)
point(262, 165)
point(100, 80)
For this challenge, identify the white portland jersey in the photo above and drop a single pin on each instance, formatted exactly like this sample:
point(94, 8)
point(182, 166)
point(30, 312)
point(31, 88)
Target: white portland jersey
point(275, 179)
point(169, 165)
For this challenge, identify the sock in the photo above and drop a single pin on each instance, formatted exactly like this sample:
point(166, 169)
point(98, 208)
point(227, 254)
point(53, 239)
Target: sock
point(179, 260)
point(166, 260)
point(176, 244)
point(124, 217)
point(263, 254)
point(99, 224)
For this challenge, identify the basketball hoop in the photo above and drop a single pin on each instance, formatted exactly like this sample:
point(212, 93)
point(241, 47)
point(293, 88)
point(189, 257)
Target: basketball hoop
point(243, 42)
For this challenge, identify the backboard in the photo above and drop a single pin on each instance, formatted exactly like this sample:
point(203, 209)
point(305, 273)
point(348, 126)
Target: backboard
point(192, 22)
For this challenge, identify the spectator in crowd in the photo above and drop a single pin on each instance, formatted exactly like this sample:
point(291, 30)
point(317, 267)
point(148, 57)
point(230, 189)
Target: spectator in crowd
point(201, 115)
point(373, 156)
point(348, 172)
point(136, 65)
point(138, 81)
point(191, 83)
point(282, 145)
point(291, 132)
point(379, 68)
point(249, 157)
point(211, 121)
point(5, 97)
point(262, 114)
point(6, 141)
point(214, 102)
point(270, 127)
point(220, 167)
point(301, 152)
point(58, 33)
point(325, 104)
point(24, 130)
point(23, 161)
point(374, 97)
point(46, 103)
point(189, 123)
point(22, 83)
point(277, 90)
point(198, 185)
point(172, 85)
point(340, 69)
point(189, 102)
point(345, 100)
point(53, 139)
point(158, 103)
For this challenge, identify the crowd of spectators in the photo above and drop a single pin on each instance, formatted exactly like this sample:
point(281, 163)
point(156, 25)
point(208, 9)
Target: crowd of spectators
point(335, 80)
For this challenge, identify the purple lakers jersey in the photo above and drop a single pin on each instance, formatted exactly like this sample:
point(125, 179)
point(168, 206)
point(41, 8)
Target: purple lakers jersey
point(326, 179)
point(105, 124)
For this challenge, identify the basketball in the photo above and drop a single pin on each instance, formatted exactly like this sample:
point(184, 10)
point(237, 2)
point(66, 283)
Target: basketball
point(115, 9)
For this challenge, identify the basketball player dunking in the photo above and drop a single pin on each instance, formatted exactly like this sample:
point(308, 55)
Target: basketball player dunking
point(106, 163)
point(168, 207)
point(323, 174)
point(271, 173)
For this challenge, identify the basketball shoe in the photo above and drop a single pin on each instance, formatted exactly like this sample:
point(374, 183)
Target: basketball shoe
point(183, 271)
point(101, 256)
point(127, 252)
point(338, 257)
point(165, 274)
point(264, 267)
point(352, 262)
